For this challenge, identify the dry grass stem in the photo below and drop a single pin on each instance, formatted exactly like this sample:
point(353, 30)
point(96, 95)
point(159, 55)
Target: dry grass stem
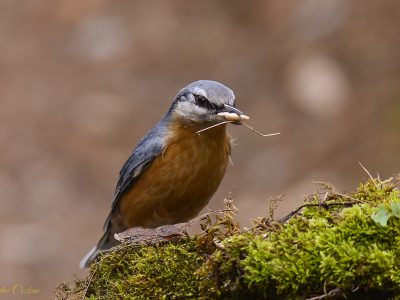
point(212, 126)
point(258, 132)
point(368, 173)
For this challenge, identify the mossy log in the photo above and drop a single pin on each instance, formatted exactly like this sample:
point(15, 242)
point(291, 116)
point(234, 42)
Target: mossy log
point(334, 246)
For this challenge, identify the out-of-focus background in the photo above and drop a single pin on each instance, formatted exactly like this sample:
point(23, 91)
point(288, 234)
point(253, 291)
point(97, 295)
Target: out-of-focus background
point(82, 81)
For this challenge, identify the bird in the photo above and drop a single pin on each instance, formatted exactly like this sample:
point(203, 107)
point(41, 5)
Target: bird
point(176, 167)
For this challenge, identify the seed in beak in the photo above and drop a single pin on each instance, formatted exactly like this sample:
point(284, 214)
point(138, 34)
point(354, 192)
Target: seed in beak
point(233, 117)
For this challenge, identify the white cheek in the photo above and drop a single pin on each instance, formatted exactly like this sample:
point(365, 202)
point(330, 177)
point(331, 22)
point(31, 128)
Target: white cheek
point(189, 110)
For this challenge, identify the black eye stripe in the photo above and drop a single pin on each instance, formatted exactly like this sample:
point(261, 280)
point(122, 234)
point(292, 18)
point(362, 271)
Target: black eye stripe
point(201, 101)
point(205, 103)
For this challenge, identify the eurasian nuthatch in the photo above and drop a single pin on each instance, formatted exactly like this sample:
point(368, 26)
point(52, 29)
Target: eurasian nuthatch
point(175, 169)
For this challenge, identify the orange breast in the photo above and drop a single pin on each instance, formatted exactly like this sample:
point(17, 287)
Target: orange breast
point(180, 182)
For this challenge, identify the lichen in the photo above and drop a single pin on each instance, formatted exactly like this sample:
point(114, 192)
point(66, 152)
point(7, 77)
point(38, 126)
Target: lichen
point(339, 245)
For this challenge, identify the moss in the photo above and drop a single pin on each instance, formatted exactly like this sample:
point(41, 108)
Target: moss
point(168, 268)
point(336, 245)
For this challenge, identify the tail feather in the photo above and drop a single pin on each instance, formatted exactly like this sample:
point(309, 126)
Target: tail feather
point(93, 253)
point(107, 241)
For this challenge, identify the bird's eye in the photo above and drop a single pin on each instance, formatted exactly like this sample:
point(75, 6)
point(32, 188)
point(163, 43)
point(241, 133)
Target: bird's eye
point(201, 101)
point(204, 102)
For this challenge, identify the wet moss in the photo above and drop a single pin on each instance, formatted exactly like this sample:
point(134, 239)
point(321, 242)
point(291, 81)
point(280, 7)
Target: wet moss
point(335, 246)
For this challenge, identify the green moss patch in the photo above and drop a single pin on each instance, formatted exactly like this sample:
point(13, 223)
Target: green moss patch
point(335, 246)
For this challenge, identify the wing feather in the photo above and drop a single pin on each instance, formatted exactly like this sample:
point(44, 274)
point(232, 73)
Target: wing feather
point(142, 156)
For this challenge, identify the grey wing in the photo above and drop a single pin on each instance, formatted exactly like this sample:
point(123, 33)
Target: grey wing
point(145, 152)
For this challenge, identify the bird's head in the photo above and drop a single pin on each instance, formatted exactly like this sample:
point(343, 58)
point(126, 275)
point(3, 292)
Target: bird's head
point(205, 102)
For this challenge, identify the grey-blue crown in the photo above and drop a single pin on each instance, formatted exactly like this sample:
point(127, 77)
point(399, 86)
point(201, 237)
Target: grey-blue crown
point(214, 91)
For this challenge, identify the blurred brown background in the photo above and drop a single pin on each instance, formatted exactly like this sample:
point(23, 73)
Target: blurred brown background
point(82, 81)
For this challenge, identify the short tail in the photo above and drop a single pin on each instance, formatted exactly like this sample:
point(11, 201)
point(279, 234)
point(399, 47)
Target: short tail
point(107, 241)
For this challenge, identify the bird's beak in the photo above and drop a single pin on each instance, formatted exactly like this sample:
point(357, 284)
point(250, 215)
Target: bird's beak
point(231, 109)
point(231, 113)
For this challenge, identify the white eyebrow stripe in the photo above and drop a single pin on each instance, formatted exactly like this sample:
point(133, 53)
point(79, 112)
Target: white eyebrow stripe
point(200, 91)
